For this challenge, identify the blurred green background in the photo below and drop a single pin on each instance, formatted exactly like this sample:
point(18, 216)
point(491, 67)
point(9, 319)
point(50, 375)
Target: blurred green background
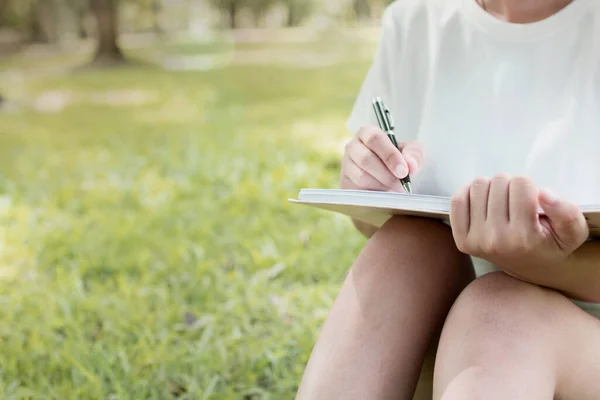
point(147, 152)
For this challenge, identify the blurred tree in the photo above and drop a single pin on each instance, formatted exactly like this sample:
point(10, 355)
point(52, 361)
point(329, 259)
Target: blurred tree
point(9, 15)
point(148, 14)
point(362, 9)
point(3, 12)
point(231, 9)
point(259, 8)
point(35, 20)
point(107, 23)
point(81, 10)
point(156, 6)
point(42, 21)
point(298, 10)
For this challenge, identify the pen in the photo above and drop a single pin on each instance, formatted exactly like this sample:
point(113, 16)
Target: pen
point(386, 123)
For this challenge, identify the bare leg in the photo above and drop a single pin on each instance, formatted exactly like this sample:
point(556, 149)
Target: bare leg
point(389, 310)
point(507, 339)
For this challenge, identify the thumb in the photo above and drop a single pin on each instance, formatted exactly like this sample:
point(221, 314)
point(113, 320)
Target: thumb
point(566, 220)
point(413, 153)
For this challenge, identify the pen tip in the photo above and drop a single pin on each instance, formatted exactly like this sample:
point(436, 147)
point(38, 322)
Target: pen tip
point(407, 187)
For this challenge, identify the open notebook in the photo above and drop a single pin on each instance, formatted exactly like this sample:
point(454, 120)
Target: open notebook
point(377, 207)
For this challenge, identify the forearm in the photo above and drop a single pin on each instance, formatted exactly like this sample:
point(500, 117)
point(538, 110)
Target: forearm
point(582, 273)
point(578, 277)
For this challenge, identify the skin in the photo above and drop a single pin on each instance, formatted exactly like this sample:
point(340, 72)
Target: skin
point(497, 220)
point(507, 337)
point(380, 337)
point(512, 334)
point(371, 162)
point(388, 315)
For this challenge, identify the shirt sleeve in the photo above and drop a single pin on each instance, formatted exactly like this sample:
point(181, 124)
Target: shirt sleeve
point(379, 81)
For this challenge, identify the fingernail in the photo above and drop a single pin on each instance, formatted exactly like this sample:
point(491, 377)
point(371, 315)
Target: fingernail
point(401, 171)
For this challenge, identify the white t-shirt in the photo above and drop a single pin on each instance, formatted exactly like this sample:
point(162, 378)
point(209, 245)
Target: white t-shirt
point(485, 96)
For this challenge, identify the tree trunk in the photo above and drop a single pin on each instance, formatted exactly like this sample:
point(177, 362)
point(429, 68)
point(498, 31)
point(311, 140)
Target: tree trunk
point(3, 7)
point(232, 13)
point(43, 21)
point(292, 13)
point(82, 32)
point(259, 19)
point(37, 28)
point(156, 10)
point(80, 10)
point(108, 51)
point(362, 8)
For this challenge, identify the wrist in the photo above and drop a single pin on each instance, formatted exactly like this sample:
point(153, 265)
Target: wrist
point(571, 275)
point(552, 272)
point(582, 270)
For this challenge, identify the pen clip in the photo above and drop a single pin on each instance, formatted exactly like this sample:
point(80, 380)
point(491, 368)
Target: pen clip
point(384, 116)
point(388, 117)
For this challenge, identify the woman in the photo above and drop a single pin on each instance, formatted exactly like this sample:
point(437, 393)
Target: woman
point(504, 90)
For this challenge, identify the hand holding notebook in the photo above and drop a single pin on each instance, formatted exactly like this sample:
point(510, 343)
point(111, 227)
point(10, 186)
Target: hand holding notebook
point(376, 207)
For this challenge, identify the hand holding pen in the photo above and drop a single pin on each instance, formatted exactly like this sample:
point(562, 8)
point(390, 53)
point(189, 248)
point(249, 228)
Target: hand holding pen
point(372, 161)
point(386, 123)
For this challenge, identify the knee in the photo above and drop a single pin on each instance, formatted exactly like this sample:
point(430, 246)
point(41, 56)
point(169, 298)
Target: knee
point(500, 304)
point(497, 325)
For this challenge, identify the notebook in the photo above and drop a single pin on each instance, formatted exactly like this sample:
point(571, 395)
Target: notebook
point(376, 208)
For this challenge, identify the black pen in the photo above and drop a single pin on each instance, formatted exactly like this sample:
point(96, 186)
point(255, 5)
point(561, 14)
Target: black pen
point(386, 123)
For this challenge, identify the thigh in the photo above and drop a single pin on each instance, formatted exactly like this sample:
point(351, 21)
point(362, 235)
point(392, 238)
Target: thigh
point(521, 331)
point(391, 305)
point(578, 354)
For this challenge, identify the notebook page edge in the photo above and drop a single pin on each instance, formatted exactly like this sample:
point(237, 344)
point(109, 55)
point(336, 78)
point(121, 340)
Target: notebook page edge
point(398, 201)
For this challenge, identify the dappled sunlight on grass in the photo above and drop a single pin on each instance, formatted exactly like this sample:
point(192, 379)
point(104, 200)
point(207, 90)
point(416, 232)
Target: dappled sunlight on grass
point(178, 107)
point(148, 242)
point(56, 101)
point(123, 97)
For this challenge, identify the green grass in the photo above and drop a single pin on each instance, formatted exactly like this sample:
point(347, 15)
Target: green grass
point(196, 48)
point(148, 250)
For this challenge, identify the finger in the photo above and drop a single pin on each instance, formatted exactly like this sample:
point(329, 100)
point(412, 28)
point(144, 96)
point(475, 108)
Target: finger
point(523, 203)
point(367, 161)
point(478, 198)
point(413, 153)
point(361, 179)
point(566, 220)
point(379, 143)
point(497, 212)
point(460, 215)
